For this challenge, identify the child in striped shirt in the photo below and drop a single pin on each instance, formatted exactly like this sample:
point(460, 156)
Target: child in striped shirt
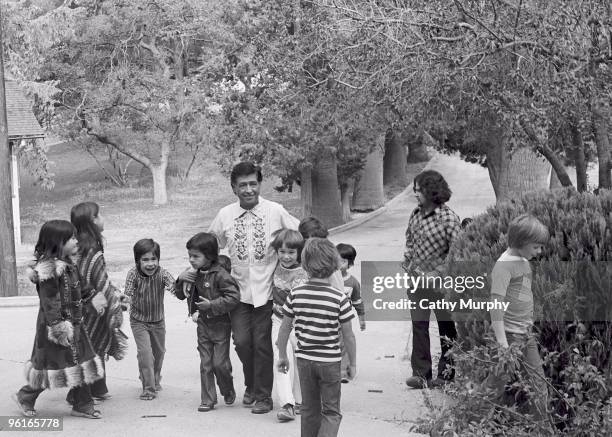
point(318, 312)
point(145, 285)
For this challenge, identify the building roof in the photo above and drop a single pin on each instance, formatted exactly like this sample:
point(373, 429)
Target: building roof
point(19, 115)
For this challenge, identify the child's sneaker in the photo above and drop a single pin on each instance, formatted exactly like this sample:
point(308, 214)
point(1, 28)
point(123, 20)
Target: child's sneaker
point(286, 413)
point(205, 407)
point(344, 380)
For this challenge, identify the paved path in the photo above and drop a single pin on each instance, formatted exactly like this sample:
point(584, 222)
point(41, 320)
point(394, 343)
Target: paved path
point(381, 349)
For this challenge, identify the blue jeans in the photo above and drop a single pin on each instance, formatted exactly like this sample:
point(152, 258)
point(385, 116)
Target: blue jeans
point(320, 384)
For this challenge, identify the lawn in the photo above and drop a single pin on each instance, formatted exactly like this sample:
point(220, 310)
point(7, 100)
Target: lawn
point(129, 213)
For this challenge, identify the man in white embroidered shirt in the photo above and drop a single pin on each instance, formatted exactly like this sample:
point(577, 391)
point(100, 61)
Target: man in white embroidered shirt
point(245, 229)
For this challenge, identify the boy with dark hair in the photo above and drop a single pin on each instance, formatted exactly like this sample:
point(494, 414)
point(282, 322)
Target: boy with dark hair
point(318, 312)
point(144, 285)
point(352, 289)
point(225, 262)
point(211, 295)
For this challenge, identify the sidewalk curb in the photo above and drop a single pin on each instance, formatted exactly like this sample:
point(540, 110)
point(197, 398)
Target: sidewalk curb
point(372, 215)
point(354, 223)
point(18, 301)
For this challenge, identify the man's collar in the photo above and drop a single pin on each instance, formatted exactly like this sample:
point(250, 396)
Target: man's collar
point(256, 210)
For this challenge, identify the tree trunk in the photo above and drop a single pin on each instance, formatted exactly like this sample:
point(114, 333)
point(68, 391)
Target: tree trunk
point(417, 146)
point(394, 164)
point(513, 174)
point(325, 192)
point(306, 191)
point(600, 131)
point(345, 198)
point(577, 154)
point(160, 193)
point(369, 193)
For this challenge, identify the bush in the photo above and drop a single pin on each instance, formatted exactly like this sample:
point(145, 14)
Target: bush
point(573, 309)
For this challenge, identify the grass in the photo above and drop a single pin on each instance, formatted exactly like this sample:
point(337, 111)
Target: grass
point(129, 213)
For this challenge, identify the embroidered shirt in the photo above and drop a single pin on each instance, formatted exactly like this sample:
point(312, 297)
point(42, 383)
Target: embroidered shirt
point(147, 294)
point(246, 233)
point(429, 237)
point(318, 311)
point(511, 280)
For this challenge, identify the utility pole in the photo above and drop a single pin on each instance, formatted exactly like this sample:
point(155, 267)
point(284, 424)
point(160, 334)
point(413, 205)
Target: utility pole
point(8, 265)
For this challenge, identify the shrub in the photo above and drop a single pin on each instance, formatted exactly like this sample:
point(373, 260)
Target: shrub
point(573, 310)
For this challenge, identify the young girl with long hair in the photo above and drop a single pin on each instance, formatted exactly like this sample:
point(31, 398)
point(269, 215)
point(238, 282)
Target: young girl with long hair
point(62, 355)
point(102, 327)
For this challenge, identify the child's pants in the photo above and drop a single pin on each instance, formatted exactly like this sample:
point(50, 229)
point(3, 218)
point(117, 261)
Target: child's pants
point(150, 340)
point(320, 383)
point(532, 370)
point(81, 396)
point(214, 348)
point(346, 361)
point(287, 384)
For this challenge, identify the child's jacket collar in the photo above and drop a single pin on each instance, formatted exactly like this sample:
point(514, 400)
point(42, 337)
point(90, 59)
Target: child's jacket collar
point(49, 268)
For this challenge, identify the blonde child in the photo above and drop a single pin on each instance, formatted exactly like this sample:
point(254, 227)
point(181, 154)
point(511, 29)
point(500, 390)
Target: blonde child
point(288, 274)
point(511, 280)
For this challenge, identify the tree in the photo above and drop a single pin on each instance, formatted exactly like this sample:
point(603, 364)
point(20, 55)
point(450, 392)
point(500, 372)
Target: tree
point(369, 194)
point(457, 63)
point(290, 112)
point(395, 159)
point(131, 76)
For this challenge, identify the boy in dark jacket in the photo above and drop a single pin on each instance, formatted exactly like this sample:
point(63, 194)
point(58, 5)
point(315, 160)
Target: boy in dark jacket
point(211, 294)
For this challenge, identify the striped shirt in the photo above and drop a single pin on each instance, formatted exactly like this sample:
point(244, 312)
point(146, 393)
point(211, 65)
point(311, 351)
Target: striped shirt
point(147, 294)
point(317, 311)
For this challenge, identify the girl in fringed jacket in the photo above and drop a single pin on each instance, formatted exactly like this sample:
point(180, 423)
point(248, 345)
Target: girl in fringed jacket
point(62, 355)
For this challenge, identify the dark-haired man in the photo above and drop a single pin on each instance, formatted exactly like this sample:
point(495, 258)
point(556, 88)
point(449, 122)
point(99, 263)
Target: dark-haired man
point(431, 229)
point(245, 228)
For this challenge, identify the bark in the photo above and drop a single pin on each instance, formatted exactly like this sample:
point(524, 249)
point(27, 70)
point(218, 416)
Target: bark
point(345, 199)
point(306, 191)
point(160, 193)
point(369, 193)
point(513, 174)
point(549, 154)
point(577, 155)
point(602, 142)
point(417, 146)
point(394, 164)
point(325, 192)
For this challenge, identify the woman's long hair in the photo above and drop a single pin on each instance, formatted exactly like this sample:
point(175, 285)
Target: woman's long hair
point(82, 217)
point(52, 237)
